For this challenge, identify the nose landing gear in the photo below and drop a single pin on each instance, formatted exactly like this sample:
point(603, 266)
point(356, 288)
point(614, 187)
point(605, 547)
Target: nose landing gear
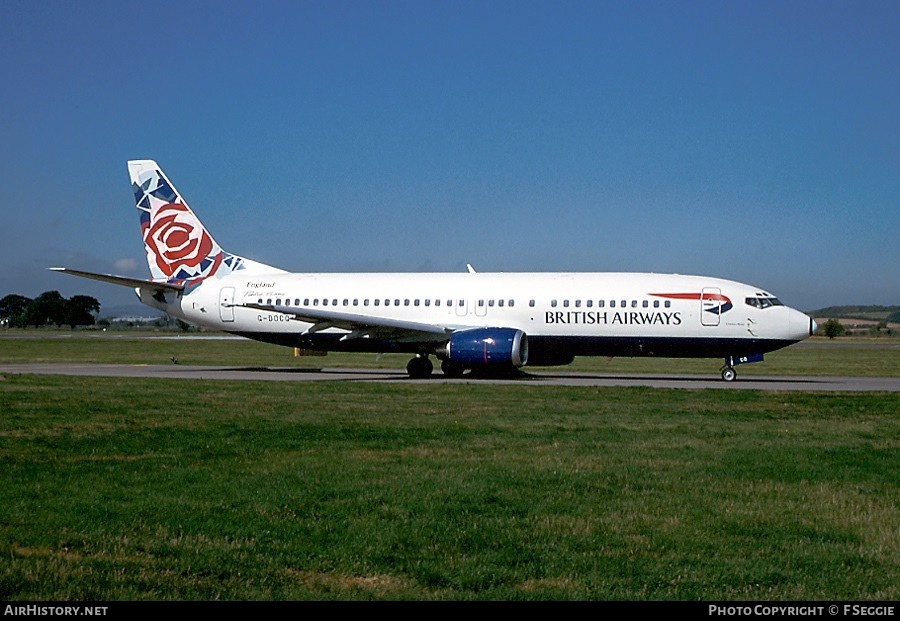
point(728, 372)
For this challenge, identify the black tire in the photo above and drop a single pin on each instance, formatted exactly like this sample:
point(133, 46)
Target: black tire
point(419, 368)
point(452, 369)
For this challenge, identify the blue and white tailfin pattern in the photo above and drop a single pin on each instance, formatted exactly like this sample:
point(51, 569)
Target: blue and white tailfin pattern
point(179, 248)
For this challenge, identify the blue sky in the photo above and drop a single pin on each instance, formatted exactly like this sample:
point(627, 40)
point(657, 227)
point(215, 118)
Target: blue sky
point(756, 141)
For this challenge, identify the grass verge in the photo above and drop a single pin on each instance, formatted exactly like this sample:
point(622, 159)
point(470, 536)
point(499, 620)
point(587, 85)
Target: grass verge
point(872, 358)
point(201, 490)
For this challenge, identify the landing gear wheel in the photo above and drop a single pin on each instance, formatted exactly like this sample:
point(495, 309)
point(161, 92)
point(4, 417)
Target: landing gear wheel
point(452, 369)
point(419, 367)
point(728, 374)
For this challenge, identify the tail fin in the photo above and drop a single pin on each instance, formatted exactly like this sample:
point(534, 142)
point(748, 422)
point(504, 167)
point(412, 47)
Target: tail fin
point(179, 248)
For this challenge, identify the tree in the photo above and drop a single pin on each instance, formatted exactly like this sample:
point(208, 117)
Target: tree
point(832, 328)
point(81, 310)
point(876, 330)
point(12, 310)
point(48, 307)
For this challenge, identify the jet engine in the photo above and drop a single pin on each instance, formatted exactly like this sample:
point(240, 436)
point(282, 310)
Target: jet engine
point(482, 347)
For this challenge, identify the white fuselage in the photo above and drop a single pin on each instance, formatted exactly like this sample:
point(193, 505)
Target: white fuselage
point(580, 313)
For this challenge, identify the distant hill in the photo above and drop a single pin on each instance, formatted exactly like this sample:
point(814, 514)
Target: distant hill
point(889, 314)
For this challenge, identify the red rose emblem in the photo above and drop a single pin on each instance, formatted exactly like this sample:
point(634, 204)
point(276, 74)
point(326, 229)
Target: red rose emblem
point(176, 238)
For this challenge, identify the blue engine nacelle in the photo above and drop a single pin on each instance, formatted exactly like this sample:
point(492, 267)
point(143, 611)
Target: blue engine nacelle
point(481, 347)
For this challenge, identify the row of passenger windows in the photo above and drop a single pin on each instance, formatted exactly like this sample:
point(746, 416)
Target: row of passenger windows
point(306, 302)
point(386, 302)
point(613, 303)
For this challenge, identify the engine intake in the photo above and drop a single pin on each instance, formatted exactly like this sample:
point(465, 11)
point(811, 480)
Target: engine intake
point(481, 347)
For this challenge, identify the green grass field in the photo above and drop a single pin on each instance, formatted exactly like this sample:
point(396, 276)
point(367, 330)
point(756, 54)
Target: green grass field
point(842, 357)
point(143, 489)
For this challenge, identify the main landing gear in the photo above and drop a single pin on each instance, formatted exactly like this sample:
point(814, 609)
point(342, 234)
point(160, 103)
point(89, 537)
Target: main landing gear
point(728, 373)
point(452, 369)
point(419, 367)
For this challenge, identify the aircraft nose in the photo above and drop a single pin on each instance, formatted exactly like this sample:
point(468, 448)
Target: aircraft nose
point(801, 325)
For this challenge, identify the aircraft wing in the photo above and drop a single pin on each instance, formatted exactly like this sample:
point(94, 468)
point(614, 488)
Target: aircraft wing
point(121, 280)
point(360, 326)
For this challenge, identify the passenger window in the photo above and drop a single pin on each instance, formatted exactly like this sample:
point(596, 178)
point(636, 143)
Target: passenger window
point(655, 303)
point(612, 303)
point(645, 304)
point(601, 303)
point(553, 303)
point(531, 303)
point(633, 303)
point(668, 303)
point(512, 302)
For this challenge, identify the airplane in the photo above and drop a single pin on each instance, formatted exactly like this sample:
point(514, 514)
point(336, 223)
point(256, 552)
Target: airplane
point(473, 322)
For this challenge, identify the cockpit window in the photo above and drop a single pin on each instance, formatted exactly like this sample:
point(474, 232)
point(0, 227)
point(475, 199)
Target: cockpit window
point(763, 301)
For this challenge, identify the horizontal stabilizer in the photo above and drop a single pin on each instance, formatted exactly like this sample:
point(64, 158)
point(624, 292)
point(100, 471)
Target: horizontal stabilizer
point(122, 280)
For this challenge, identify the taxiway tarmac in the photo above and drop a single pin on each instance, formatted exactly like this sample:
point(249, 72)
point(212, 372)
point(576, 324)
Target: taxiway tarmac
point(889, 384)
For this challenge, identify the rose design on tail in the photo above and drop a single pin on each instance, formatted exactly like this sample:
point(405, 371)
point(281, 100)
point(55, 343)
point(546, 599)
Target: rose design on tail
point(177, 242)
